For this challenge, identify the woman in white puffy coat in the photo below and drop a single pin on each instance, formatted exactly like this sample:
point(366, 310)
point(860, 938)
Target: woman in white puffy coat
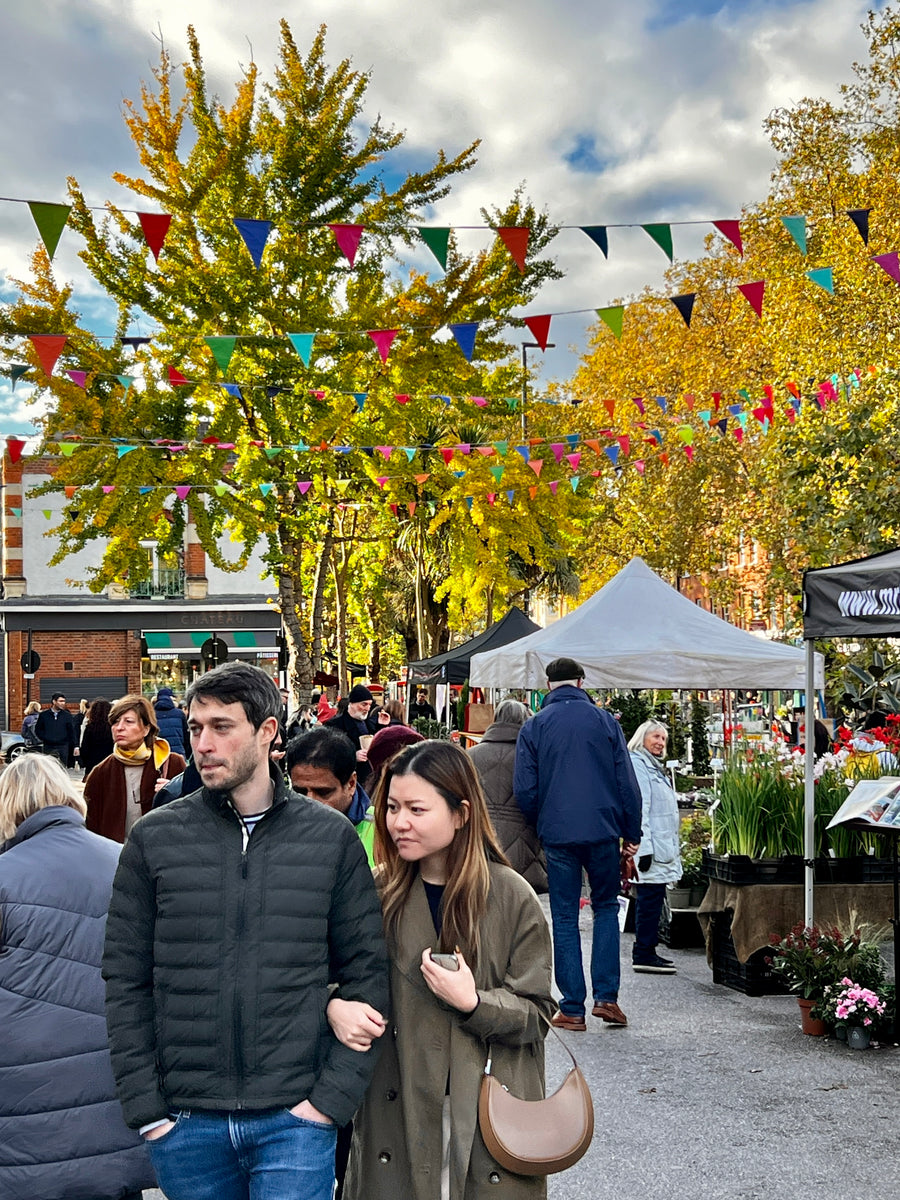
point(658, 856)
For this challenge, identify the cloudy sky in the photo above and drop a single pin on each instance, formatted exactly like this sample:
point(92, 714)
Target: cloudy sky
point(609, 112)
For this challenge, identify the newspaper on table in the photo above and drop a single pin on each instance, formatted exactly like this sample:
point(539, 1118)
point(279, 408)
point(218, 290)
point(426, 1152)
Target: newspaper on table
point(875, 801)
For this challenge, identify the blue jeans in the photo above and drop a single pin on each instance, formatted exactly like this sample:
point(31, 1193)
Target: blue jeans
point(268, 1155)
point(564, 867)
point(648, 903)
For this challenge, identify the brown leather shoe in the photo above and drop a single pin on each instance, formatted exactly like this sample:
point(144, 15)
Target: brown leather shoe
point(565, 1021)
point(610, 1012)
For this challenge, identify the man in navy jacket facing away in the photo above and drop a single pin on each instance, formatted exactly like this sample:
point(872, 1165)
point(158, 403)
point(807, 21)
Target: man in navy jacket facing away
point(574, 781)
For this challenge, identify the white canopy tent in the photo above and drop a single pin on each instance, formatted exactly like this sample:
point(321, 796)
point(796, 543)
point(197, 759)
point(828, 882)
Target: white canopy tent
point(639, 632)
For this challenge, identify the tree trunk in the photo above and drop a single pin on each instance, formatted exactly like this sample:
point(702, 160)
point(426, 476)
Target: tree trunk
point(318, 607)
point(300, 670)
point(420, 596)
point(340, 612)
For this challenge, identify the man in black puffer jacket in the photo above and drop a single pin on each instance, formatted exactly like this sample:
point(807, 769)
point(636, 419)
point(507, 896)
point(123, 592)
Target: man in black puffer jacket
point(233, 910)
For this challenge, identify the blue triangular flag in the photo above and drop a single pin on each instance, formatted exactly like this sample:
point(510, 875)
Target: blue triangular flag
point(598, 235)
point(612, 453)
point(232, 389)
point(465, 337)
point(255, 234)
point(360, 398)
point(524, 451)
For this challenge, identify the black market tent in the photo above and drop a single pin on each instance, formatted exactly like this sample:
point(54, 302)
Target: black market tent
point(858, 599)
point(453, 665)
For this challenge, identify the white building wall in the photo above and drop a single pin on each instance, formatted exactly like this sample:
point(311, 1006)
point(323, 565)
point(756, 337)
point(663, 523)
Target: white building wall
point(37, 549)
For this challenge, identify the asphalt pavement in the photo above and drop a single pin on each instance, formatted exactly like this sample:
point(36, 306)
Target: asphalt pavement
point(712, 1095)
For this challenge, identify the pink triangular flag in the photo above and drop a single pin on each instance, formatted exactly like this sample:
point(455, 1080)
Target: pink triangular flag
point(48, 348)
point(536, 465)
point(639, 465)
point(303, 486)
point(347, 238)
point(558, 449)
point(382, 481)
point(182, 491)
point(515, 238)
point(689, 451)
point(479, 401)
point(889, 263)
point(385, 450)
point(554, 484)
point(77, 377)
point(155, 226)
point(107, 488)
point(487, 451)
point(574, 460)
point(731, 230)
point(383, 339)
point(540, 328)
point(753, 293)
point(640, 404)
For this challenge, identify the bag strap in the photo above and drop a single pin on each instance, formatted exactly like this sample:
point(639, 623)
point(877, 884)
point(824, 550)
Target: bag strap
point(552, 1028)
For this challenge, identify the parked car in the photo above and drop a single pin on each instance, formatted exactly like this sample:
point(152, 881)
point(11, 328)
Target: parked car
point(11, 744)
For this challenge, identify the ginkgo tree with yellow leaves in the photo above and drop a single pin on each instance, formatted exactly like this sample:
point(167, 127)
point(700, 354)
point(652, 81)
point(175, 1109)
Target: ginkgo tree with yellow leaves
point(292, 375)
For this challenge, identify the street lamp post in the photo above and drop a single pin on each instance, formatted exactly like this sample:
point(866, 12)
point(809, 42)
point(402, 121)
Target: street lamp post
point(526, 346)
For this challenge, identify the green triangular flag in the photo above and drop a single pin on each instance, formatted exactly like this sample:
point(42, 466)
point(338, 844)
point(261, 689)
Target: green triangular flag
point(437, 241)
point(48, 513)
point(67, 448)
point(612, 317)
point(221, 488)
point(222, 349)
point(51, 221)
point(796, 227)
point(501, 447)
point(823, 277)
point(272, 451)
point(512, 403)
point(662, 235)
point(497, 473)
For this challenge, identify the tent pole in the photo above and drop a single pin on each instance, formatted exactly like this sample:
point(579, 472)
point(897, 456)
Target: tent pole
point(809, 794)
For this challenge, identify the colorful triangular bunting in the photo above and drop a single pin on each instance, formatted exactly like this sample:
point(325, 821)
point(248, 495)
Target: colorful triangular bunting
point(255, 235)
point(154, 227)
point(51, 221)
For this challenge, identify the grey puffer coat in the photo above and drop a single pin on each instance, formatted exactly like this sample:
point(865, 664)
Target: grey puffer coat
point(62, 1135)
point(660, 820)
point(495, 759)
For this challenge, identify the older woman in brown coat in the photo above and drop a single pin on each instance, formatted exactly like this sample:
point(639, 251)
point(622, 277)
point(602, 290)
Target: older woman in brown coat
point(495, 759)
point(446, 891)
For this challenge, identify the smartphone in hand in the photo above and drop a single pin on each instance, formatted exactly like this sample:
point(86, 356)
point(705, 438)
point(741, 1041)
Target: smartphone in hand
point(448, 961)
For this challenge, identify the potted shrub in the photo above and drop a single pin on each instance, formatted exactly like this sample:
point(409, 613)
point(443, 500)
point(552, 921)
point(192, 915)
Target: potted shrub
point(855, 1010)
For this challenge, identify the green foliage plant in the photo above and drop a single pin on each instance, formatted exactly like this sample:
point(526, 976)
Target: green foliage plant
point(699, 739)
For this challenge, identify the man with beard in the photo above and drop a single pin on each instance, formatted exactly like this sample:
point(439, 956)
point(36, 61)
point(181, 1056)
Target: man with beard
point(233, 910)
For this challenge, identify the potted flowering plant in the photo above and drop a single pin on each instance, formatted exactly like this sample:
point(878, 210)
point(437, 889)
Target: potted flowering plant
point(854, 1009)
point(811, 961)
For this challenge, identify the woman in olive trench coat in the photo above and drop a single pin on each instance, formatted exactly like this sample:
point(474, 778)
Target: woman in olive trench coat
point(397, 1143)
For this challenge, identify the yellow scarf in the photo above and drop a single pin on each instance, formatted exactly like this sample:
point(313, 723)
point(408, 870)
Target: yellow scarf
point(137, 758)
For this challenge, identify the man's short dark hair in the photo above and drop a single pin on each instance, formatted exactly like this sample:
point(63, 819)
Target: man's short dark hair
point(57, 696)
point(239, 683)
point(326, 748)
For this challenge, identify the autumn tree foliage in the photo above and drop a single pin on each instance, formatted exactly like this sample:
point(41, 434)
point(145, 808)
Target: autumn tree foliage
point(389, 541)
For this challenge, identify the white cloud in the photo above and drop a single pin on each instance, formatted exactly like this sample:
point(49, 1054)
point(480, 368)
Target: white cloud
point(671, 112)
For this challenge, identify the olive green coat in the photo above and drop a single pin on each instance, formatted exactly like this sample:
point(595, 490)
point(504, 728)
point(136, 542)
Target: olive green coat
point(396, 1152)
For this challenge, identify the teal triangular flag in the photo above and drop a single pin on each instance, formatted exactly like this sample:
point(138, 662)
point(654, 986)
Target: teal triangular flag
point(121, 451)
point(823, 277)
point(16, 371)
point(574, 482)
point(142, 491)
point(360, 398)
point(796, 227)
point(410, 452)
point(303, 344)
point(126, 382)
point(265, 488)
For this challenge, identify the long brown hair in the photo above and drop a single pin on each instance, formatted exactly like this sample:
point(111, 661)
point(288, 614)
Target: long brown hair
point(450, 772)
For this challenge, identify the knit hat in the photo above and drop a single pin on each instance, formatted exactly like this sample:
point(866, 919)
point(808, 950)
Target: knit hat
point(164, 691)
point(358, 693)
point(387, 743)
point(564, 668)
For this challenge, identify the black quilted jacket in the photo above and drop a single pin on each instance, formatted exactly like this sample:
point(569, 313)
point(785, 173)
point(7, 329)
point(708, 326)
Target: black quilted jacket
point(218, 961)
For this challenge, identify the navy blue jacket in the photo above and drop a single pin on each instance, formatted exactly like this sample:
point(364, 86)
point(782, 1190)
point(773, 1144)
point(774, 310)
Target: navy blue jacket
point(172, 725)
point(62, 1134)
point(573, 777)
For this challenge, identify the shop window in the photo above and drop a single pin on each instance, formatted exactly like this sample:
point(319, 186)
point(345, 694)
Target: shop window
point(164, 576)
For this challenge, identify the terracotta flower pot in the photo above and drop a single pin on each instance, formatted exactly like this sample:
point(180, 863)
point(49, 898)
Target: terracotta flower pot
point(811, 1025)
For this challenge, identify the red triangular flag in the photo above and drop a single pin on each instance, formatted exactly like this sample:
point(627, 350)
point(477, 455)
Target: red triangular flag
point(155, 226)
point(176, 377)
point(540, 328)
point(446, 453)
point(347, 238)
point(48, 347)
point(624, 443)
point(610, 406)
point(753, 293)
point(402, 398)
point(793, 389)
point(731, 230)
point(15, 446)
point(383, 339)
point(515, 238)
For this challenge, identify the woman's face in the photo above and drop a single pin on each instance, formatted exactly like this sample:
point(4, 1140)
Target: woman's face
point(655, 742)
point(129, 731)
point(422, 825)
